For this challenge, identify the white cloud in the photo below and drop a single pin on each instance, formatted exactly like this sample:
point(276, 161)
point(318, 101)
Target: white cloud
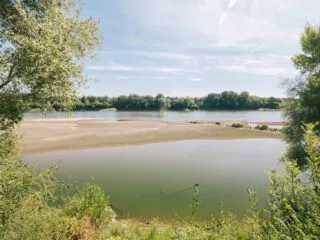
point(144, 53)
point(265, 65)
point(124, 68)
point(178, 19)
point(232, 3)
point(110, 68)
point(270, 71)
point(222, 18)
point(224, 15)
point(270, 64)
point(196, 79)
point(230, 21)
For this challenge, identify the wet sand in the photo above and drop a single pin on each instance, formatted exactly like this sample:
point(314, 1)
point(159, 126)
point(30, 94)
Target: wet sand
point(46, 135)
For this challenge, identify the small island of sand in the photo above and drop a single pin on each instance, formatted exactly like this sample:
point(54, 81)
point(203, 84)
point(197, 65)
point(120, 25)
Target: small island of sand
point(46, 135)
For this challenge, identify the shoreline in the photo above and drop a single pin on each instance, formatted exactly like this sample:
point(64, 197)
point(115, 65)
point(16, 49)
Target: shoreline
point(48, 135)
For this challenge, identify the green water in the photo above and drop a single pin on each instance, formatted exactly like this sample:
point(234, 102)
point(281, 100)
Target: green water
point(155, 180)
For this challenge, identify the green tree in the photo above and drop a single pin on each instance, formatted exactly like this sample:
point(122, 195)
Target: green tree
point(161, 102)
point(42, 46)
point(212, 101)
point(303, 103)
point(229, 100)
point(272, 103)
point(243, 99)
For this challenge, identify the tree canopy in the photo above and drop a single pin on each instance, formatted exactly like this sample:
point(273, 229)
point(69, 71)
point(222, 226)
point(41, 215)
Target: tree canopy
point(303, 104)
point(42, 48)
point(227, 100)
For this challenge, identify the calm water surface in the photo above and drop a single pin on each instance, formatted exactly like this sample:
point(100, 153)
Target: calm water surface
point(251, 116)
point(155, 180)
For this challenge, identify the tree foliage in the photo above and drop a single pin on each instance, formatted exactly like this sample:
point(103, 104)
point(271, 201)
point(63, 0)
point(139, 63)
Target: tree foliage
point(89, 202)
point(42, 46)
point(227, 100)
point(294, 199)
point(303, 104)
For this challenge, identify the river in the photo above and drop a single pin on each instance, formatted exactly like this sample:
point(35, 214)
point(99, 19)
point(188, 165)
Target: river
point(250, 116)
point(156, 180)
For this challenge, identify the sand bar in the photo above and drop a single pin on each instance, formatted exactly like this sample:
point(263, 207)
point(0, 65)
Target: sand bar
point(46, 135)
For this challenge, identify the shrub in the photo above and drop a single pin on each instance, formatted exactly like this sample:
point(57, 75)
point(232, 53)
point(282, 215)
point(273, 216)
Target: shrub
point(91, 202)
point(82, 229)
point(262, 127)
point(34, 220)
point(18, 180)
point(274, 130)
point(237, 125)
point(294, 204)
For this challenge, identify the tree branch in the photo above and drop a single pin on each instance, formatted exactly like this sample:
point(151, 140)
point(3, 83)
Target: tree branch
point(9, 78)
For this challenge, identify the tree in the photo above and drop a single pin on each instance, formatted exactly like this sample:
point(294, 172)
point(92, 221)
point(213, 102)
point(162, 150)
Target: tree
point(212, 101)
point(161, 102)
point(228, 100)
point(42, 46)
point(303, 103)
point(272, 103)
point(243, 99)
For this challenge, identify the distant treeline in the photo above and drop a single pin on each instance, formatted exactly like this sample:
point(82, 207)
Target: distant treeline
point(227, 100)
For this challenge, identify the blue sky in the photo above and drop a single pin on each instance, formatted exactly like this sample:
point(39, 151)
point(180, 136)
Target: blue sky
point(193, 47)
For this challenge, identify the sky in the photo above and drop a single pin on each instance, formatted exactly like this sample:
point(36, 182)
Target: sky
point(194, 47)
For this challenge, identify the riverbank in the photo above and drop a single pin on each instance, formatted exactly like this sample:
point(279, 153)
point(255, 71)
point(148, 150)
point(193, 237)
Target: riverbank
point(46, 135)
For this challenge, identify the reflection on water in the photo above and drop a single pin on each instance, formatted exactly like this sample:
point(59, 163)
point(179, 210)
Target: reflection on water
point(157, 179)
point(251, 116)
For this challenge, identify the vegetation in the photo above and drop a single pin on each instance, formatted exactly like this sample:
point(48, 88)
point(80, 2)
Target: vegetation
point(294, 204)
point(227, 100)
point(32, 206)
point(42, 45)
point(237, 125)
point(303, 104)
point(262, 127)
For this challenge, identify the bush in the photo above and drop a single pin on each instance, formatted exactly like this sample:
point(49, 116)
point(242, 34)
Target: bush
point(34, 220)
point(274, 130)
point(91, 202)
point(294, 204)
point(262, 127)
point(18, 180)
point(237, 125)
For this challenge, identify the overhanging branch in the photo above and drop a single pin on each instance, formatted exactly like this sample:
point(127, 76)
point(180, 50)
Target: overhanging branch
point(9, 78)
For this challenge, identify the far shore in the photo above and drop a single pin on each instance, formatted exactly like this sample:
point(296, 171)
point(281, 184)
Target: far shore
point(47, 135)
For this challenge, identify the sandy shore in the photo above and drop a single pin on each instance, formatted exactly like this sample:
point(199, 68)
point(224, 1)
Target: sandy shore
point(45, 135)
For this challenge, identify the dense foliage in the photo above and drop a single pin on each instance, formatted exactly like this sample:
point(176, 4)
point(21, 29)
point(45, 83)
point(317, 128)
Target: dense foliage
point(227, 100)
point(303, 104)
point(42, 45)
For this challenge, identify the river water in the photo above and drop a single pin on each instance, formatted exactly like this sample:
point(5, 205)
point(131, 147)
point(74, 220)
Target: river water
point(250, 116)
point(156, 180)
